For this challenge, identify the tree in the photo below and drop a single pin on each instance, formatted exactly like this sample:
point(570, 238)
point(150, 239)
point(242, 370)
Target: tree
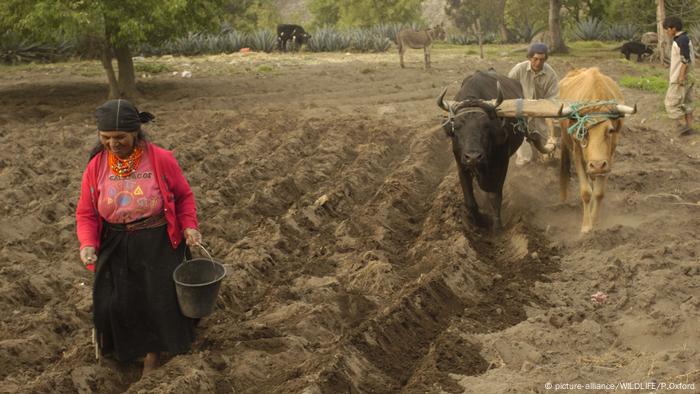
point(558, 44)
point(118, 25)
point(490, 13)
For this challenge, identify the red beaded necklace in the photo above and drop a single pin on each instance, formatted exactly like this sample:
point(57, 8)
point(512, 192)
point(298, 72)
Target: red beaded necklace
point(125, 167)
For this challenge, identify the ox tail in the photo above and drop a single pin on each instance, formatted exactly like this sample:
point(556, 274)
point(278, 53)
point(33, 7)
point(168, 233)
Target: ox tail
point(564, 171)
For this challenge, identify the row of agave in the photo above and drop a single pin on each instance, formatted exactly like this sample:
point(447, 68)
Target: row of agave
point(16, 50)
point(590, 29)
point(324, 39)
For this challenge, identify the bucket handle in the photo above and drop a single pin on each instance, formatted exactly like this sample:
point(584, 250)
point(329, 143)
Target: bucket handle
point(211, 259)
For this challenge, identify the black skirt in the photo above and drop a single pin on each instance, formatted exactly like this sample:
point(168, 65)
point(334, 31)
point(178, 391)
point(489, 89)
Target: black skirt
point(135, 309)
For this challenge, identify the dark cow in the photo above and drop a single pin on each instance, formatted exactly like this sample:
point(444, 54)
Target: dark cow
point(637, 48)
point(293, 33)
point(482, 142)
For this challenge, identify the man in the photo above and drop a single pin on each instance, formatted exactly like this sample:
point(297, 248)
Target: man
point(539, 81)
point(679, 97)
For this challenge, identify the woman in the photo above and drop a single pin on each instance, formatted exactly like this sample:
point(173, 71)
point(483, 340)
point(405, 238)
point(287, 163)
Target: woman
point(135, 208)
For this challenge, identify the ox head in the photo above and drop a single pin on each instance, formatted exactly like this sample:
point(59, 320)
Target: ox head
point(300, 37)
point(474, 128)
point(596, 131)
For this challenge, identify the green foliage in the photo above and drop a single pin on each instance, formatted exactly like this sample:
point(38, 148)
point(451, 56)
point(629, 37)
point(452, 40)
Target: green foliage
point(652, 83)
point(325, 12)
point(622, 32)
point(152, 68)
point(464, 13)
point(526, 16)
point(364, 13)
point(123, 23)
point(641, 13)
point(589, 29)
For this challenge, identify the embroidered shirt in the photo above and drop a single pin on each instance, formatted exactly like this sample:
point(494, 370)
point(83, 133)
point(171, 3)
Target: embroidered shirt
point(127, 199)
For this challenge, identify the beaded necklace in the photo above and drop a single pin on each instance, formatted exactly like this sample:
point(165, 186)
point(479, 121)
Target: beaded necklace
point(125, 167)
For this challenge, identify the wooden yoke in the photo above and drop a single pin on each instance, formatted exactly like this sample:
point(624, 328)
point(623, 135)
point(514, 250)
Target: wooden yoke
point(513, 108)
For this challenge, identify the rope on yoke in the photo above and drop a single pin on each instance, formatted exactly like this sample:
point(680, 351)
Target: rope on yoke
point(582, 122)
point(521, 121)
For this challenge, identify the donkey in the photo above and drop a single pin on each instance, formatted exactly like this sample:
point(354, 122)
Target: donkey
point(419, 39)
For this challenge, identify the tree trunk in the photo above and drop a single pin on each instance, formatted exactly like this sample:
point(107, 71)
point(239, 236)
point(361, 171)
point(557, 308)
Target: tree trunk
point(127, 77)
point(106, 58)
point(480, 35)
point(663, 48)
point(558, 44)
point(501, 14)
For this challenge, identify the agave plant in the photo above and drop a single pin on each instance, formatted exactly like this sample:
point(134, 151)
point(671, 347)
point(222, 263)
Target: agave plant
point(262, 40)
point(622, 32)
point(461, 39)
point(380, 44)
point(388, 30)
point(328, 39)
point(190, 45)
point(361, 39)
point(589, 29)
point(233, 41)
point(525, 32)
point(15, 49)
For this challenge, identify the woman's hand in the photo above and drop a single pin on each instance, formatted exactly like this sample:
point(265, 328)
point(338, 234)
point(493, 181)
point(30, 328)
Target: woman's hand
point(87, 255)
point(192, 237)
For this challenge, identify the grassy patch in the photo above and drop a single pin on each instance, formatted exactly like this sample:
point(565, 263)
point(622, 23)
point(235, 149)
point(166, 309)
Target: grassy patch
point(649, 83)
point(264, 68)
point(152, 68)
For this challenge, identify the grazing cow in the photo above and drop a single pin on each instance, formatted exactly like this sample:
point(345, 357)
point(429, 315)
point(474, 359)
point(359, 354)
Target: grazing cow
point(482, 142)
point(593, 127)
point(637, 48)
point(408, 38)
point(293, 33)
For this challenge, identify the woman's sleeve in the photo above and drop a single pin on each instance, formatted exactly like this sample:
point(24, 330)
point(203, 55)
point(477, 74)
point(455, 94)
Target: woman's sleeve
point(86, 217)
point(184, 198)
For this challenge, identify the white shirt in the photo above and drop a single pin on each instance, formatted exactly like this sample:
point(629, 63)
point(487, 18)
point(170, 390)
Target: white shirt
point(536, 85)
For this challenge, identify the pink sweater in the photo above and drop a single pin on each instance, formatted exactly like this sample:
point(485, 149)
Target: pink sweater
point(178, 199)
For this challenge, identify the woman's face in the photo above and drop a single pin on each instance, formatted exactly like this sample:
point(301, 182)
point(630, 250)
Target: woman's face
point(121, 143)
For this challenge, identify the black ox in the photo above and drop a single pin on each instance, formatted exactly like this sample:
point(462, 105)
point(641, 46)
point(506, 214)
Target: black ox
point(482, 142)
point(293, 33)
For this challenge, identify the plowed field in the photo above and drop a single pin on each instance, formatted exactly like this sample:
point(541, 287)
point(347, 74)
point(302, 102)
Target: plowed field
point(327, 188)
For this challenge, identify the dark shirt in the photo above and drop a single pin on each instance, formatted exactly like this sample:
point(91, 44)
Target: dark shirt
point(684, 44)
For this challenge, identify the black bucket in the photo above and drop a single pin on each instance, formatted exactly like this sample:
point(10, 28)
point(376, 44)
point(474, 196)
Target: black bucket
point(197, 283)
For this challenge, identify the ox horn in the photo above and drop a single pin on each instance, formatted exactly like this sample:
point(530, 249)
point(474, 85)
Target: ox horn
point(619, 108)
point(441, 101)
point(626, 109)
point(447, 105)
point(499, 96)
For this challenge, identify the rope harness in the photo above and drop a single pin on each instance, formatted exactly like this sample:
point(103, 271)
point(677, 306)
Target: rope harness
point(579, 129)
point(583, 122)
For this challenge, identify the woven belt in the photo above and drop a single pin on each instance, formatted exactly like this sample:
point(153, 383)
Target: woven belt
point(149, 222)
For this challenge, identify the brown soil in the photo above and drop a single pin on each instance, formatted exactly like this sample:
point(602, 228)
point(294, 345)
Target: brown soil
point(325, 186)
